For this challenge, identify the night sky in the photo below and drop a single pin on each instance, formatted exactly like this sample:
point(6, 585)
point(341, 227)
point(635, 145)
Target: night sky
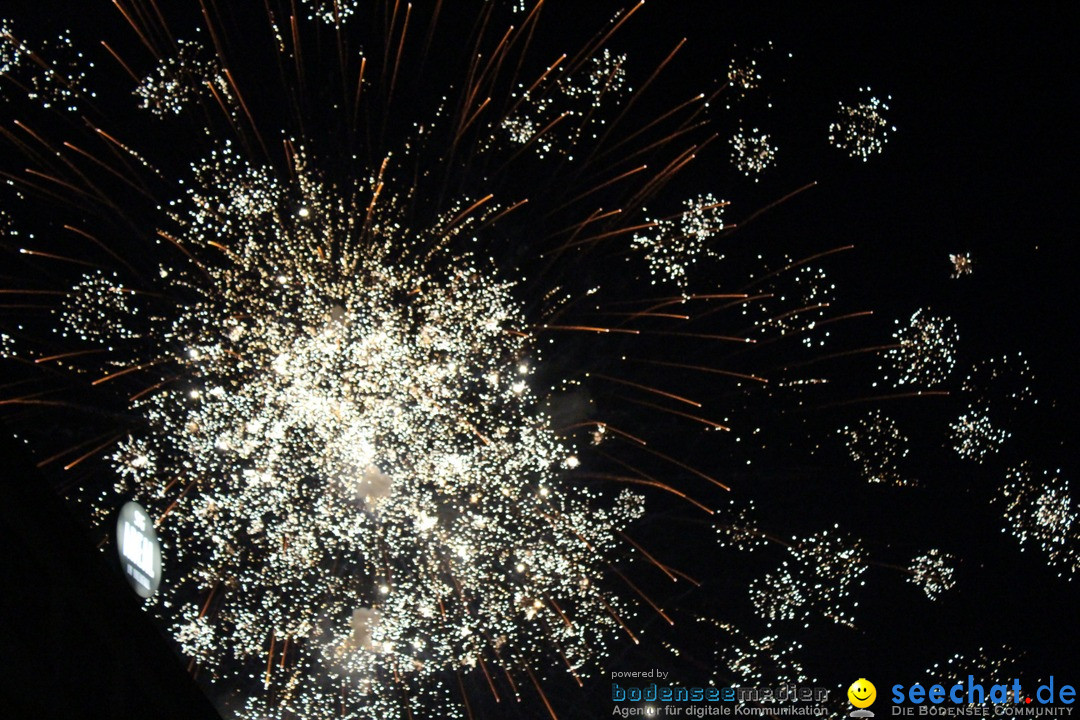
point(982, 162)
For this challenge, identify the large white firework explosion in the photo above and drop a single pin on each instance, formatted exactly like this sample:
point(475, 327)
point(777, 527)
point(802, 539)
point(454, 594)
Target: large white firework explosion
point(355, 456)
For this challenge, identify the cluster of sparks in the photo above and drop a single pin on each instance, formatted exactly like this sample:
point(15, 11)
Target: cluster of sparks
point(934, 572)
point(7, 346)
point(974, 435)
point(572, 104)
point(962, 265)
point(180, 80)
point(925, 354)
point(1005, 383)
point(744, 75)
point(673, 245)
point(862, 129)
point(1039, 511)
point(10, 49)
point(760, 661)
point(747, 74)
point(877, 446)
point(752, 153)
point(358, 490)
point(59, 83)
point(980, 664)
point(823, 570)
point(331, 12)
point(996, 389)
point(804, 294)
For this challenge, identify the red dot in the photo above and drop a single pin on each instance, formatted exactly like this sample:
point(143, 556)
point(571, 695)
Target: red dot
point(1027, 700)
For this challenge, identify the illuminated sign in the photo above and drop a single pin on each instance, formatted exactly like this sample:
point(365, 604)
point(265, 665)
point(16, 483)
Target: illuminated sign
point(140, 552)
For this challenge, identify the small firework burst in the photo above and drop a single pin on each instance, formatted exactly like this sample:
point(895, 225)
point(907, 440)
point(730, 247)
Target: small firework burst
point(7, 346)
point(1004, 383)
point(181, 79)
point(962, 265)
point(744, 75)
point(974, 436)
point(739, 530)
point(331, 12)
point(926, 350)
point(60, 83)
point(876, 444)
point(752, 153)
point(825, 569)
point(1040, 513)
point(862, 129)
point(753, 661)
point(811, 292)
point(673, 245)
point(573, 103)
point(11, 51)
point(1000, 663)
point(934, 572)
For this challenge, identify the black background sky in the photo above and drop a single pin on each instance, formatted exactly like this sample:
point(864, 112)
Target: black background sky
point(983, 161)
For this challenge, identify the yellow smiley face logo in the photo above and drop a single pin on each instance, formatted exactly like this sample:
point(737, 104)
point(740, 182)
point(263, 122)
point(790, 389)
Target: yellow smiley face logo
point(862, 693)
